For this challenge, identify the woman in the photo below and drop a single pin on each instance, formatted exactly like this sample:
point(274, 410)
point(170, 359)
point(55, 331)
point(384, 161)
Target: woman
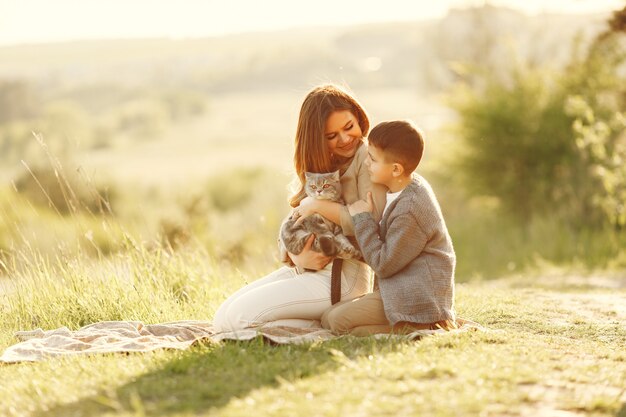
point(329, 137)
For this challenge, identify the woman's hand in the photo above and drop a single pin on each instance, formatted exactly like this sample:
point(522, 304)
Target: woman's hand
point(307, 207)
point(309, 258)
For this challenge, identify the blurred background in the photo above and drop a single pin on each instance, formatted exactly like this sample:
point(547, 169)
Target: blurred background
point(172, 123)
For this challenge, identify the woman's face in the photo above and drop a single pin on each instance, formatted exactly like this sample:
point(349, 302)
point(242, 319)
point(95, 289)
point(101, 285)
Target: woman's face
point(343, 133)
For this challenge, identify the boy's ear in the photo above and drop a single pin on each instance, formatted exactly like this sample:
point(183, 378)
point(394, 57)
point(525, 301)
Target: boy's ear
point(398, 170)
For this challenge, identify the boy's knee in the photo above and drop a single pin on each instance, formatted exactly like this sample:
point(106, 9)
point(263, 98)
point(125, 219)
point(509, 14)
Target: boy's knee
point(324, 318)
point(336, 322)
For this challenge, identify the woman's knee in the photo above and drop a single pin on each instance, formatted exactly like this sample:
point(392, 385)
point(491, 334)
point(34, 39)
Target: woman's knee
point(220, 319)
point(230, 318)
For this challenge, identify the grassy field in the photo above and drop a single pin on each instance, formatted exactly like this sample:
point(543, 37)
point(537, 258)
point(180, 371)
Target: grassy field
point(555, 347)
point(555, 344)
point(191, 143)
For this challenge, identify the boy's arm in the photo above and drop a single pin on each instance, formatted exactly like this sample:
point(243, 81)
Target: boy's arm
point(405, 241)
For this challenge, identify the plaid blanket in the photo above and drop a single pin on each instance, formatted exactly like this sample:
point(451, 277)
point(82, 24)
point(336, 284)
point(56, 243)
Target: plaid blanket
point(134, 336)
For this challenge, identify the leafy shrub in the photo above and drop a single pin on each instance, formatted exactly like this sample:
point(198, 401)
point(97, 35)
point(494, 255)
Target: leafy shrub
point(228, 191)
point(524, 139)
point(184, 104)
point(602, 145)
point(17, 101)
point(235, 215)
point(50, 186)
point(144, 118)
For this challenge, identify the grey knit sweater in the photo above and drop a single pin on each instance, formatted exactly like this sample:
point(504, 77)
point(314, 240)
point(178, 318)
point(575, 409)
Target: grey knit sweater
point(412, 256)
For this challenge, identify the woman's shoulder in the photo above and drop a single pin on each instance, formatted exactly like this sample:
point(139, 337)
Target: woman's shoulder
point(361, 152)
point(359, 156)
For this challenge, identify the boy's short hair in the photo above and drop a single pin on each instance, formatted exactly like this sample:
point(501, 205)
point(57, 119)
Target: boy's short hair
point(400, 141)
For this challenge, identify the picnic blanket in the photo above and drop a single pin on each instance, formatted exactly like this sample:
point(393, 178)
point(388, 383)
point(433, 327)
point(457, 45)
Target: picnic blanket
point(134, 336)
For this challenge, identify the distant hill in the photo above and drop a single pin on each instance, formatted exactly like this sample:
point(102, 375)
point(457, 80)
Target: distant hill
point(414, 55)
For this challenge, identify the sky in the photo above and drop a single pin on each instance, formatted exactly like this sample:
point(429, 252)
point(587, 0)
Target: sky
point(42, 21)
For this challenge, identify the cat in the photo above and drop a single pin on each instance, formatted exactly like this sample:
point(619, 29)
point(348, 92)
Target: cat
point(329, 238)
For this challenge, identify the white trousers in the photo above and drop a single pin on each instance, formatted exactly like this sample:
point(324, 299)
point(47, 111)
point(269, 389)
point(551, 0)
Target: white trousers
point(289, 299)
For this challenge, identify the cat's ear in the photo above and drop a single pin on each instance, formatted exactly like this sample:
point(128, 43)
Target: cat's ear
point(336, 176)
point(308, 175)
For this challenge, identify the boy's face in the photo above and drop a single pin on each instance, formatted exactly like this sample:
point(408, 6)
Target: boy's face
point(381, 172)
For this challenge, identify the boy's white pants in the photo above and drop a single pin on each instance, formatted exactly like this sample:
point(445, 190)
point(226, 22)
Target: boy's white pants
point(289, 299)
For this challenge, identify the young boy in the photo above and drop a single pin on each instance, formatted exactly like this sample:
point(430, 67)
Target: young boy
point(410, 250)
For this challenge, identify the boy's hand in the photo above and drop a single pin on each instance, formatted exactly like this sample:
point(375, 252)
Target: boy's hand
point(362, 206)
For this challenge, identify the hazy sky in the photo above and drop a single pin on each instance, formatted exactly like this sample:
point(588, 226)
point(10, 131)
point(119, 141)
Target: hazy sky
point(28, 21)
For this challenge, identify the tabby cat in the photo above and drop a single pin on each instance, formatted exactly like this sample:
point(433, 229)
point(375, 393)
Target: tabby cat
point(329, 239)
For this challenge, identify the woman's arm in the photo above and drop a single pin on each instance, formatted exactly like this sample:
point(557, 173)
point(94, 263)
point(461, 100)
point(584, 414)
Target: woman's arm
point(328, 209)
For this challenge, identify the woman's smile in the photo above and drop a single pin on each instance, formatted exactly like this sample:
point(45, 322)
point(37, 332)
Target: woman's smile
point(343, 133)
point(349, 146)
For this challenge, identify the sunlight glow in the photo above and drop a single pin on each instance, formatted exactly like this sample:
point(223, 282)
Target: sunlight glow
point(34, 21)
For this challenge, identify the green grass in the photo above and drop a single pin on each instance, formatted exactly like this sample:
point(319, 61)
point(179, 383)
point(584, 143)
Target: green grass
point(549, 348)
point(556, 329)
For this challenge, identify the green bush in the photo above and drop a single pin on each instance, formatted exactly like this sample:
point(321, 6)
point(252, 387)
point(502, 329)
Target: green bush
point(522, 141)
point(143, 118)
point(52, 187)
point(184, 104)
point(541, 159)
point(231, 190)
point(65, 126)
point(235, 215)
point(18, 100)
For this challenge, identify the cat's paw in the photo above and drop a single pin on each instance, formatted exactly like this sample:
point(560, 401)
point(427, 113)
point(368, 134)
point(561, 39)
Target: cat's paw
point(350, 253)
point(327, 245)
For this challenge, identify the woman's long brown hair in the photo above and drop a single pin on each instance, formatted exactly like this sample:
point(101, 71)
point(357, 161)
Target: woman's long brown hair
point(311, 148)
